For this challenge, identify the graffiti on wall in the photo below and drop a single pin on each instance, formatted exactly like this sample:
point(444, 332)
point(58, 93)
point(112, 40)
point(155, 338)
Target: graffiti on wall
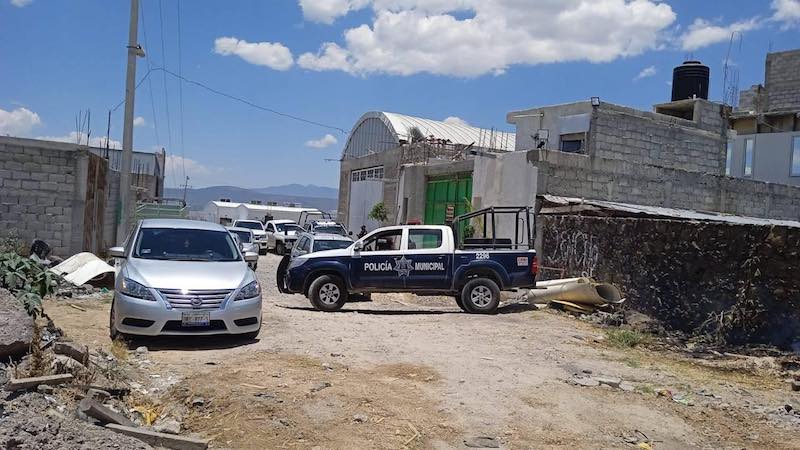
point(575, 251)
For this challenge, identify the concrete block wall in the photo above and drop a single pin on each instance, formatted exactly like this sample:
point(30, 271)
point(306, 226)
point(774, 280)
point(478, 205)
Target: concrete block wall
point(782, 79)
point(642, 137)
point(574, 175)
point(38, 187)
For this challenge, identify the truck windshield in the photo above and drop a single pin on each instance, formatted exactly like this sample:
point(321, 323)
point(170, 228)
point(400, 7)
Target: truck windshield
point(320, 246)
point(244, 236)
point(253, 225)
point(288, 227)
point(185, 245)
point(331, 229)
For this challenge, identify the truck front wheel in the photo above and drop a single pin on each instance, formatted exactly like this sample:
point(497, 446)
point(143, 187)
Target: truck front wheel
point(327, 293)
point(480, 296)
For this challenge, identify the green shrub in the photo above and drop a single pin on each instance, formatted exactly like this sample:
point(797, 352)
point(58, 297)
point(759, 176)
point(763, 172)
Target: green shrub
point(626, 338)
point(27, 280)
point(379, 212)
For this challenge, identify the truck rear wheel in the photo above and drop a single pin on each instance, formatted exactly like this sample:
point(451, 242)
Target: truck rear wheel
point(327, 293)
point(480, 296)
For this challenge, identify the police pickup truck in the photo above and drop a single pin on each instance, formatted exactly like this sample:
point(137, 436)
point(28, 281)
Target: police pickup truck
point(425, 260)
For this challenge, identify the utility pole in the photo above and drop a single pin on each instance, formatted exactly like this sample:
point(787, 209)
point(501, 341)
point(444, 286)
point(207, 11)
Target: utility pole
point(185, 187)
point(134, 50)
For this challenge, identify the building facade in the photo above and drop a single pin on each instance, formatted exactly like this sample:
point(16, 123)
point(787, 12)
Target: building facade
point(65, 194)
point(420, 169)
point(766, 142)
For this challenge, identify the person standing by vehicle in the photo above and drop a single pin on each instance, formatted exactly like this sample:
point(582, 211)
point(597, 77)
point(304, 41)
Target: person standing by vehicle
point(363, 231)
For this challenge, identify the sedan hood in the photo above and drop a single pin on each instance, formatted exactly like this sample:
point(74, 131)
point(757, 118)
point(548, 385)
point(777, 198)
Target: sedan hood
point(187, 274)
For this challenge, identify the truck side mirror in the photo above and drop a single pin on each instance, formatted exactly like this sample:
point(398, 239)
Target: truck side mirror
point(117, 252)
point(359, 246)
point(251, 256)
point(350, 233)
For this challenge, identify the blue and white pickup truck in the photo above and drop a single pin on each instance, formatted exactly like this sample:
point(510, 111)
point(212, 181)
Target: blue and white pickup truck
point(421, 259)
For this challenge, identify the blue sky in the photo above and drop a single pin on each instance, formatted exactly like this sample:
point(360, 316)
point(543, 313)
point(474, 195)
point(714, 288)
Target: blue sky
point(330, 61)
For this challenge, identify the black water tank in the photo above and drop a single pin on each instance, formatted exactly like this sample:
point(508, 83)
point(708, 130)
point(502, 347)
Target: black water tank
point(690, 80)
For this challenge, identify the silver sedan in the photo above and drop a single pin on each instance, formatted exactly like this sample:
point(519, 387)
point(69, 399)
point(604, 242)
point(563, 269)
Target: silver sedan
point(184, 277)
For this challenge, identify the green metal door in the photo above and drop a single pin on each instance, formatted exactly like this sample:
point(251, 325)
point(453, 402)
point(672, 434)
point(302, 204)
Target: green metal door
point(446, 198)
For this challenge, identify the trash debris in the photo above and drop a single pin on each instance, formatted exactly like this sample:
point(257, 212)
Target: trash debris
point(582, 295)
point(160, 439)
point(320, 386)
point(82, 268)
point(104, 415)
point(359, 418)
point(27, 383)
point(482, 442)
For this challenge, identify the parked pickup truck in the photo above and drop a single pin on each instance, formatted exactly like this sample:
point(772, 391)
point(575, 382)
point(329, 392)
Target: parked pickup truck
point(422, 259)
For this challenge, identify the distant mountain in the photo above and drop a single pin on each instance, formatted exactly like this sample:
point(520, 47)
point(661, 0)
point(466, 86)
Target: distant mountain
point(308, 190)
point(198, 198)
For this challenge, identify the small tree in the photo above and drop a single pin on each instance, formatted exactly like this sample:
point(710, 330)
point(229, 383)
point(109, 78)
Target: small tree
point(379, 213)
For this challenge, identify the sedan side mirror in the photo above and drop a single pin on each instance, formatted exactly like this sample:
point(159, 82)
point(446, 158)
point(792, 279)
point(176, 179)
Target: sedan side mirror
point(251, 256)
point(117, 252)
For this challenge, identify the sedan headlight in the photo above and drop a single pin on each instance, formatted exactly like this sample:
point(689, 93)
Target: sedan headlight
point(137, 290)
point(251, 290)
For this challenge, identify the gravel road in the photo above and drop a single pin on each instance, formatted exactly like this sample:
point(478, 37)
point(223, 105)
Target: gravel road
point(420, 373)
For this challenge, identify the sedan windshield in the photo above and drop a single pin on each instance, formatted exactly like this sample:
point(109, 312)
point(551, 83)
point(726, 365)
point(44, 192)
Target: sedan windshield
point(185, 245)
point(331, 229)
point(253, 225)
point(288, 227)
point(244, 236)
point(330, 245)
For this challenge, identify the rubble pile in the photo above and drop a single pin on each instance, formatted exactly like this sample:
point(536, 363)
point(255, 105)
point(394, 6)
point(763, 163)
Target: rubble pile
point(736, 284)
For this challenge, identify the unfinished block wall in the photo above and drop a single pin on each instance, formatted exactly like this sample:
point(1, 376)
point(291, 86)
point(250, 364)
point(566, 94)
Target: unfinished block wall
point(641, 137)
point(596, 178)
point(733, 283)
point(782, 79)
point(37, 193)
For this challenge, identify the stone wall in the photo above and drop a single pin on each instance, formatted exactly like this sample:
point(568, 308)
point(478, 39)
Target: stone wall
point(736, 283)
point(642, 137)
point(782, 79)
point(574, 175)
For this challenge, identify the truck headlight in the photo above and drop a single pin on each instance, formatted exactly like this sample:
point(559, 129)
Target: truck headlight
point(137, 290)
point(253, 289)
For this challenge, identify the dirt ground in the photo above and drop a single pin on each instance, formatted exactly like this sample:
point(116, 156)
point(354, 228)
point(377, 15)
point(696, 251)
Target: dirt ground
point(408, 372)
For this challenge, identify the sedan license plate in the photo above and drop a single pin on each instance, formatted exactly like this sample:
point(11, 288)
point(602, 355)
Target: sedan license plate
point(195, 318)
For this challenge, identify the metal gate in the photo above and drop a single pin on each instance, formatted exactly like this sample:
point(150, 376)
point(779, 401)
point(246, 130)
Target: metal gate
point(446, 198)
point(366, 190)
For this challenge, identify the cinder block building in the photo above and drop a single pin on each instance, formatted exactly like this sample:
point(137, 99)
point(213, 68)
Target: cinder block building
point(66, 194)
point(766, 143)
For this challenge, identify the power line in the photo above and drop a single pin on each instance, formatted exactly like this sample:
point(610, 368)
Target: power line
point(180, 93)
point(249, 103)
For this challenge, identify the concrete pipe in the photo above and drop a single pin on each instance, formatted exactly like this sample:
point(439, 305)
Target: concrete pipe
point(576, 290)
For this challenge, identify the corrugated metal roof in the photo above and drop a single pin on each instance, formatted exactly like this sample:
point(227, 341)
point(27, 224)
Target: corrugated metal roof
point(660, 211)
point(275, 208)
point(458, 134)
point(378, 131)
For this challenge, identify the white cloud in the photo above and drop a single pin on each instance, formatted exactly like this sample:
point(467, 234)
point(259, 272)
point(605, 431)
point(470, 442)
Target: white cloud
point(21, 3)
point(18, 122)
point(645, 73)
point(326, 11)
point(139, 121)
point(273, 55)
point(323, 142)
point(703, 33)
point(176, 164)
point(469, 38)
point(786, 11)
point(453, 120)
point(75, 137)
